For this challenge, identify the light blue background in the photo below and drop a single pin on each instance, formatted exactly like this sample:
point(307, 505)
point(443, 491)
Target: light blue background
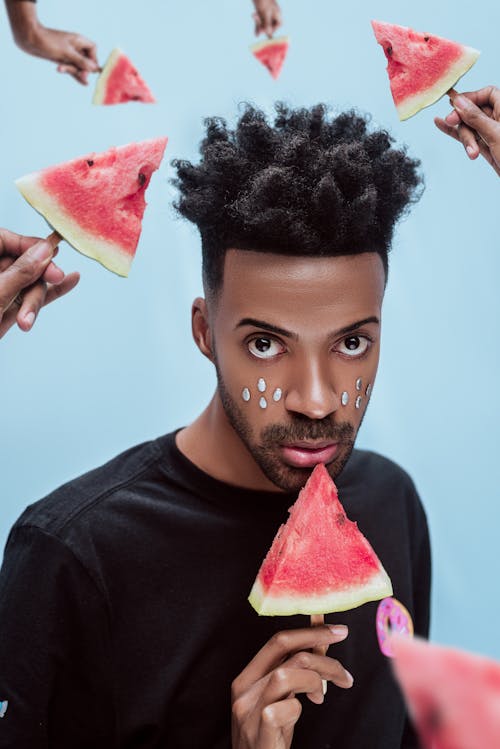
point(113, 363)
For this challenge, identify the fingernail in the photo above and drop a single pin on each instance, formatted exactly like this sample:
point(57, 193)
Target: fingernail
point(471, 150)
point(349, 676)
point(29, 318)
point(40, 251)
point(340, 630)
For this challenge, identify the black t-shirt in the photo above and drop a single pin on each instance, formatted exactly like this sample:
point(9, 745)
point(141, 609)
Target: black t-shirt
point(124, 615)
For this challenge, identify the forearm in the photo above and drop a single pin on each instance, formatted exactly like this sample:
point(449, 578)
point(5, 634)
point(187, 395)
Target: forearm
point(23, 20)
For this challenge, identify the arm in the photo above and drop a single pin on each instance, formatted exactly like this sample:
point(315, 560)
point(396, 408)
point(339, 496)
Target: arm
point(28, 279)
point(475, 122)
point(55, 669)
point(265, 708)
point(267, 17)
point(74, 53)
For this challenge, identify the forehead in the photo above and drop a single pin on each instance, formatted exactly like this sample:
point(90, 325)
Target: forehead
point(301, 291)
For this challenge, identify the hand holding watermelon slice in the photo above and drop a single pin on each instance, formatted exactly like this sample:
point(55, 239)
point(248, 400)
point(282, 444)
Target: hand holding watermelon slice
point(422, 67)
point(265, 708)
point(475, 122)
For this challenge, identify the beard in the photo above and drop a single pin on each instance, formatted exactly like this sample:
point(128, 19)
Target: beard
point(265, 448)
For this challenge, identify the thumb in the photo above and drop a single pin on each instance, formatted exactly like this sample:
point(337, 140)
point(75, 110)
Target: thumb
point(472, 115)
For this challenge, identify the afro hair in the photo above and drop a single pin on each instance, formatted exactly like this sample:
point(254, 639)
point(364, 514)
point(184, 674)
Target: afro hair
point(307, 184)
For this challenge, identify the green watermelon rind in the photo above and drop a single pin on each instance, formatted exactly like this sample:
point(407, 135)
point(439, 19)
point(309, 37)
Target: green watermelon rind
point(109, 255)
point(102, 81)
point(413, 104)
point(379, 586)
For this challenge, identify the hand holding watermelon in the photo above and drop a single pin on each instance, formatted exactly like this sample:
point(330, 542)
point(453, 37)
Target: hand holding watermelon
point(267, 17)
point(28, 278)
point(475, 122)
point(265, 708)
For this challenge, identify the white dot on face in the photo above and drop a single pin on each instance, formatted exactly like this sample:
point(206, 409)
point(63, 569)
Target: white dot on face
point(277, 395)
point(261, 385)
point(368, 390)
point(344, 398)
point(358, 401)
point(245, 394)
point(359, 382)
point(263, 403)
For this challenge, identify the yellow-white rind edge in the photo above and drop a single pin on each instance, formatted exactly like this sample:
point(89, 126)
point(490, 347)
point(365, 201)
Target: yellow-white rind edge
point(413, 104)
point(379, 587)
point(269, 43)
point(102, 81)
point(105, 252)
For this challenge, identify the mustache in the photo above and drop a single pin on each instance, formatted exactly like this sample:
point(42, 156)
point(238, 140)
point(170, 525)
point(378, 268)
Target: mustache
point(309, 429)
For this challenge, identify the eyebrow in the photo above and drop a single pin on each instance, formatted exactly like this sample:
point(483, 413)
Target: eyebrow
point(288, 334)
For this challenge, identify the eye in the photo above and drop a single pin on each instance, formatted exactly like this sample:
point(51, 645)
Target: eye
point(265, 348)
point(354, 345)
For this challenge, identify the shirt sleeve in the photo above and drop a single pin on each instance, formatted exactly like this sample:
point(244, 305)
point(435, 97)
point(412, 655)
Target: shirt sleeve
point(55, 683)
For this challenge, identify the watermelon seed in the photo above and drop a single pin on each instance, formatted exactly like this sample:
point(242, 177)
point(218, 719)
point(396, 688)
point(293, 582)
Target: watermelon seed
point(90, 162)
point(389, 50)
point(142, 178)
point(426, 38)
point(340, 519)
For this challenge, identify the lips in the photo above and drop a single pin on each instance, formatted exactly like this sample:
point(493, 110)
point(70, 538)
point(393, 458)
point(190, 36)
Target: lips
point(308, 454)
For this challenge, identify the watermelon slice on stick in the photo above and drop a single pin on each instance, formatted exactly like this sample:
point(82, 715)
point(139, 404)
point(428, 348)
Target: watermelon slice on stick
point(453, 696)
point(120, 82)
point(96, 202)
point(422, 67)
point(319, 561)
point(272, 53)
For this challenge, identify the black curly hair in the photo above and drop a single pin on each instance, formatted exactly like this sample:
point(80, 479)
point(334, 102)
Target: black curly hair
point(306, 185)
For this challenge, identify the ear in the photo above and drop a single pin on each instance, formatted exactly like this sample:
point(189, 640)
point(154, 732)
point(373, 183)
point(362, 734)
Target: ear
point(200, 328)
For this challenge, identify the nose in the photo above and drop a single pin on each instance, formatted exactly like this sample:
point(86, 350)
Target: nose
point(312, 392)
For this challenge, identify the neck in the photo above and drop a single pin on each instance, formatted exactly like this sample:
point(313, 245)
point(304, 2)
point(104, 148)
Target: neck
point(211, 443)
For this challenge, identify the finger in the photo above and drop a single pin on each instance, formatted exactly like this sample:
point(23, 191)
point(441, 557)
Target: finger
point(285, 681)
point(15, 244)
point(8, 320)
point(467, 138)
point(74, 72)
point(90, 52)
point(33, 300)
point(77, 53)
point(276, 719)
point(487, 96)
point(473, 116)
point(56, 291)
point(445, 128)
point(23, 272)
point(281, 646)
point(258, 25)
point(328, 668)
point(53, 274)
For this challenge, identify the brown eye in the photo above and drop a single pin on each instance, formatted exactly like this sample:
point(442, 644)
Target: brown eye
point(354, 345)
point(264, 348)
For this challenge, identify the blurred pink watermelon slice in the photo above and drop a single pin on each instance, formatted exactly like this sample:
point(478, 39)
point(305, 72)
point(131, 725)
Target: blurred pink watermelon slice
point(96, 202)
point(453, 696)
point(272, 53)
point(120, 82)
point(421, 67)
point(319, 561)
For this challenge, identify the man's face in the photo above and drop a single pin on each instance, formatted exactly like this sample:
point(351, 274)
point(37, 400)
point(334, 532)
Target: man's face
point(296, 347)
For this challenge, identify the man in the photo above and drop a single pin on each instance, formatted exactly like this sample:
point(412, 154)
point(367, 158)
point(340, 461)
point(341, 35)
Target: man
point(123, 595)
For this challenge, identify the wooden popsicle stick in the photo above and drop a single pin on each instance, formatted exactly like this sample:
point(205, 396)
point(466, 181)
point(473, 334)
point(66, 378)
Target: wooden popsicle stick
point(53, 239)
point(317, 620)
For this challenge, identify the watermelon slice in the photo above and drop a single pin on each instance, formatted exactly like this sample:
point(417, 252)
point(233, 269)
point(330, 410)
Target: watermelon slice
point(96, 202)
point(272, 53)
point(319, 561)
point(453, 696)
point(421, 67)
point(120, 82)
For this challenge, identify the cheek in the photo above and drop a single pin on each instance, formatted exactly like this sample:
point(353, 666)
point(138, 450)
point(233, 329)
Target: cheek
point(355, 388)
point(262, 394)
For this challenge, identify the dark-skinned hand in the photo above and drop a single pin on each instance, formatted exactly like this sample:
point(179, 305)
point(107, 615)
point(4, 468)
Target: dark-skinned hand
point(265, 708)
point(28, 279)
point(267, 17)
point(475, 123)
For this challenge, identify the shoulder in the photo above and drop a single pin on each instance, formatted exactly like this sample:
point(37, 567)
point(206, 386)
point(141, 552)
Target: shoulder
point(58, 510)
point(371, 467)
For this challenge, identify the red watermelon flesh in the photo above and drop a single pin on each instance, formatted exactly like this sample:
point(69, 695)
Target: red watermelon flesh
point(319, 561)
point(272, 53)
point(96, 202)
point(120, 82)
point(453, 696)
point(422, 67)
